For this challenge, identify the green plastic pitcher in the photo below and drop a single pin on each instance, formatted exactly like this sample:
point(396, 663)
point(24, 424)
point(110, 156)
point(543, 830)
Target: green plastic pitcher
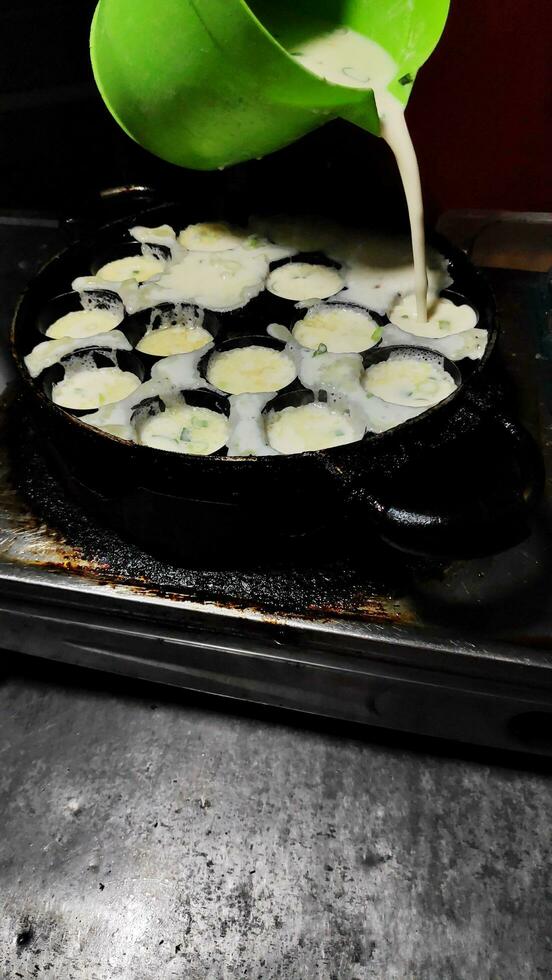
point(208, 83)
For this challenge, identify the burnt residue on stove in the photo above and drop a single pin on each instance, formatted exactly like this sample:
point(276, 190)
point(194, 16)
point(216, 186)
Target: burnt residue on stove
point(368, 586)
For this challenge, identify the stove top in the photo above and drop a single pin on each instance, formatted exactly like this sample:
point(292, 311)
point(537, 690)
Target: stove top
point(461, 651)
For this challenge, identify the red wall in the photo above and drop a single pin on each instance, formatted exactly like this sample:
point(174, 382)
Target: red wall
point(481, 109)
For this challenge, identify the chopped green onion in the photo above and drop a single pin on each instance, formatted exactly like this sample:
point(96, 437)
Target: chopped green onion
point(321, 349)
point(377, 334)
point(443, 324)
point(406, 79)
point(184, 436)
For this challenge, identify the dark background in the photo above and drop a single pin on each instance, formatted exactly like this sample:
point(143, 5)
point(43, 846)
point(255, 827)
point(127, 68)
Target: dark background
point(480, 114)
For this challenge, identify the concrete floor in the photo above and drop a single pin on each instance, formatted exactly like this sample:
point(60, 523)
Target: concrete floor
point(146, 836)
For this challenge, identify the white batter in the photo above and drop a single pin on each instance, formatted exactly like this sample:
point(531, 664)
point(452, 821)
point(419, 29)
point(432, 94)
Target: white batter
point(409, 380)
point(137, 267)
point(345, 57)
point(308, 427)
point(470, 343)
point(209, 237)
point(331, 372)
point(160, 235)
point(250, 369)
point(176, 339)
point(375, 269)
point(443, 319)
point(50, 351)
point(219, 281)
point(247, 425)
point(303, 280)
point(212, 236)
point(337, 329)
point(91, 387)
point(185, 429)
point(84, 323)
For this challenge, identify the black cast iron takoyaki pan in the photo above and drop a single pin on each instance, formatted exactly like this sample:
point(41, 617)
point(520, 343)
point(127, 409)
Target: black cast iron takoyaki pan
point(457, 481)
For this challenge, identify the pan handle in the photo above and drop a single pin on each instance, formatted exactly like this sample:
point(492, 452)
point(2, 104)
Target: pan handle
point(469, 498)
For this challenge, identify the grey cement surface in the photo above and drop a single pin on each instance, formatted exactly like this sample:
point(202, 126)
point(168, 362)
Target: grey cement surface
point(146, 836)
